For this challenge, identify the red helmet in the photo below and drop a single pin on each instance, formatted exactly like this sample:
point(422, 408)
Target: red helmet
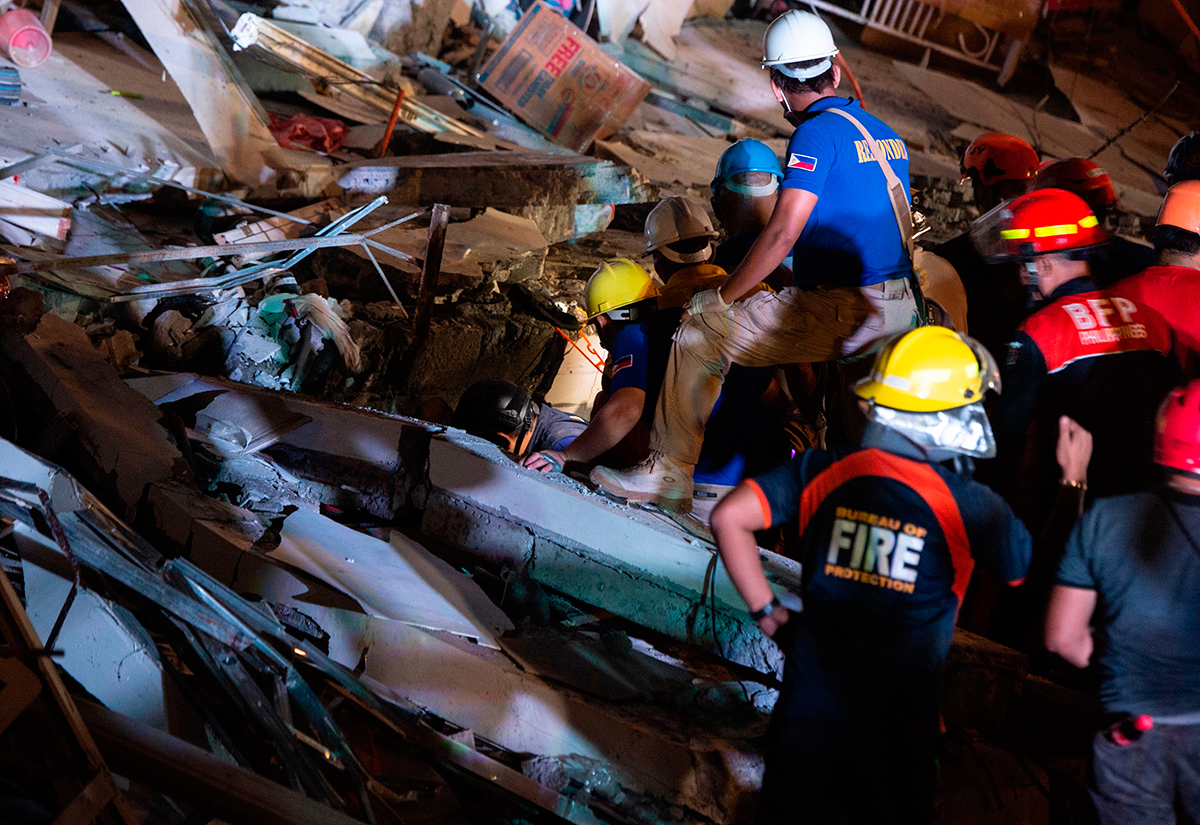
point(995, 156)
point(1038, 223)
point(1081, 176)
point(1177, 435)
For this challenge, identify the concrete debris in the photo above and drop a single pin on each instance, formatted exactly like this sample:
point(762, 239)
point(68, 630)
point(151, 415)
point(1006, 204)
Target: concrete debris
point(229, 493)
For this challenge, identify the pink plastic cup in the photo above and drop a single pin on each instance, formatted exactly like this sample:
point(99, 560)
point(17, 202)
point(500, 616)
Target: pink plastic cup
point(22, 38)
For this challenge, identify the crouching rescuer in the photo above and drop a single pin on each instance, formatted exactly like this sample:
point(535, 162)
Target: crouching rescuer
point(842, 213)
point(889, 537)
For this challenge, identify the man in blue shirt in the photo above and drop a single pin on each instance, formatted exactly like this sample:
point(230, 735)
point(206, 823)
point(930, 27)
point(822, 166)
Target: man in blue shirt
point(889, 537)
point(851, 267)
point(635, 327)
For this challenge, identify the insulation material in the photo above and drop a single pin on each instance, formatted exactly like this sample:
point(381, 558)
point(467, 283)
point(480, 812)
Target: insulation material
point(661, 22)
point(396, 579)
point(617, 17)
point(559, 81)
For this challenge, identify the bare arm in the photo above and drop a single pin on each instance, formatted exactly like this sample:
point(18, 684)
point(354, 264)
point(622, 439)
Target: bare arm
point(1068, 617)
point(773, 244)
point(733, 524)
point(608, 426)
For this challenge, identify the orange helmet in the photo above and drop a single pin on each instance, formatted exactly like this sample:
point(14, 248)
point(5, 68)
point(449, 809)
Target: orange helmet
point(1081, 176)
point(1039, 223)
point(995, 156)
point(1181, 207)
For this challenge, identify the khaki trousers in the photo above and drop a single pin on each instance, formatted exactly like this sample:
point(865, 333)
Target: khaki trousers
point(768, 329)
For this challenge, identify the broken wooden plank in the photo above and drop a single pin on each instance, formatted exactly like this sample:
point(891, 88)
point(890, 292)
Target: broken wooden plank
point(337, 81)
point(187, 773)
point(34, 211)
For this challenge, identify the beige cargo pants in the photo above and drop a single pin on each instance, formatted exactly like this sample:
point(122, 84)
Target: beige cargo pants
point(767, 329)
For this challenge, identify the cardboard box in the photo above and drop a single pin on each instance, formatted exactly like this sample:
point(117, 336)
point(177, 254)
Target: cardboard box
point(559, 81)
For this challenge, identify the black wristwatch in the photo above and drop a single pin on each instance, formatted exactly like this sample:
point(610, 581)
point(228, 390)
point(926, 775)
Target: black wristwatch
point(766, 610)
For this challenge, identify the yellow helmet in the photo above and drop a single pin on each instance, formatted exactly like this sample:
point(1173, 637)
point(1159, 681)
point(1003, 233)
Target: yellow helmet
point(615, 286)
point(930, 369)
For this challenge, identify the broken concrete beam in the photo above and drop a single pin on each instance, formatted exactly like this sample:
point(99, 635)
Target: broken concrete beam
point(635, 563)
point(68, 386)
point(499, 179)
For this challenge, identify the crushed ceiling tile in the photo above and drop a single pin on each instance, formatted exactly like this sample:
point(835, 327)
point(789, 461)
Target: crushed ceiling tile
point(397, 579)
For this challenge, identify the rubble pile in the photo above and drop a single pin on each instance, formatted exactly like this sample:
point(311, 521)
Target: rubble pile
point(252, 256)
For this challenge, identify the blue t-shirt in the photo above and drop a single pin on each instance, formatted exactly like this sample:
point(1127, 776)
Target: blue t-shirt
point(741, 437)
point(1146, 575)
point(851, 238)
point(888, 546)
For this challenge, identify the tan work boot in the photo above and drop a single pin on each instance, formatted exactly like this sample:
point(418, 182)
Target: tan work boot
point(659, 478)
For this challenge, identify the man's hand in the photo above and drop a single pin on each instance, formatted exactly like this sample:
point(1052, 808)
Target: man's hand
point(546, 461)
point(770, 624)
point(708, 300)
point(1074, 450)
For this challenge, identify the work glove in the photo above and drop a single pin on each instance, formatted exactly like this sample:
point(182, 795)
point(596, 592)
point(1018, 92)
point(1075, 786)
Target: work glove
point(706, 301)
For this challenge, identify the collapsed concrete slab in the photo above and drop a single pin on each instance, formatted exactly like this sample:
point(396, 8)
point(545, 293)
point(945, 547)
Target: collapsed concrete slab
point(498, 179)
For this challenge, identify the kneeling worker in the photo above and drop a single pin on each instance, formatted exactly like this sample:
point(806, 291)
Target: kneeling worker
point(622, 300)
point(889, 539)
point(505, 415)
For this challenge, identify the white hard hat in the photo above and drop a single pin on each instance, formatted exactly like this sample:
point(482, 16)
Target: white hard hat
point(795, 37)
point(677, 219)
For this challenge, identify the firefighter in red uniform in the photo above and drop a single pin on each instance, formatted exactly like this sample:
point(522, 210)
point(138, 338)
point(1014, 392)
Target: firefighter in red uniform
point(1103, 359)
point(999, 167)
point(1121, 256)
point(1171, 286)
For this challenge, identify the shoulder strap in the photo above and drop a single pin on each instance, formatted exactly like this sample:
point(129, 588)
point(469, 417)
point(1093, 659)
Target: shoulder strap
point(896, 191)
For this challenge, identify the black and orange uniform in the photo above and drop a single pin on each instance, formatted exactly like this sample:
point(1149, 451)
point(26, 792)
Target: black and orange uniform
point(888, 542)
point(1101, 358)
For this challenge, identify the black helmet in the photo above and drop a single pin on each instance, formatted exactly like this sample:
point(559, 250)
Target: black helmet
point(1184, 161)
point(494, 406)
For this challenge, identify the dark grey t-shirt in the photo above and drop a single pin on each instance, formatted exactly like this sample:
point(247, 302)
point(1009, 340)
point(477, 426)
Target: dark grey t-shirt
point(1131, 551)
point(555, 429)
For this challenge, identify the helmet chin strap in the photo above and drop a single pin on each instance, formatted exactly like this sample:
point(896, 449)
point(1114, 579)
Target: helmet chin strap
point(1033, 292)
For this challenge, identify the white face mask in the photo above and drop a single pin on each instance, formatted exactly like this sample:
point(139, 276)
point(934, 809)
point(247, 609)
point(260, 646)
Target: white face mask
point(750, 191)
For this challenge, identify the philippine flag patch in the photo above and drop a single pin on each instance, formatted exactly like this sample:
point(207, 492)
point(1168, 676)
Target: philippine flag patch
point(627, 361)
point(805, 163)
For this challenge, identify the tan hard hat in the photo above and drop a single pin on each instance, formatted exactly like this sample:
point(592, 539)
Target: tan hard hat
point(677, 219)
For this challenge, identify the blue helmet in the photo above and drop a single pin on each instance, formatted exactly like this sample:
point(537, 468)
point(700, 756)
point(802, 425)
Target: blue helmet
point(747, 155)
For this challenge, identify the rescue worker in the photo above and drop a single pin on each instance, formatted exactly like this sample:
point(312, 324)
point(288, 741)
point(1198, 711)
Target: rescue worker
point(1099, 358)
point(745, 188)
point(889, 537)
point(1172, 284)
point(1131, 571)
point(624, 303)
point(504, 414)
point(999, 167)
point(836, 215)
point(679, 237)
point(1183, 163)
point(1121, 256)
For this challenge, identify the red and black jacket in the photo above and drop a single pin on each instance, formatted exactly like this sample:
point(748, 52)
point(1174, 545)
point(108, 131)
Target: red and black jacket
point(1101, 358)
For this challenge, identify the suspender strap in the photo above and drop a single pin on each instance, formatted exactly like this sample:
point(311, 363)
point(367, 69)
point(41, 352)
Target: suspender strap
point(896, 193)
